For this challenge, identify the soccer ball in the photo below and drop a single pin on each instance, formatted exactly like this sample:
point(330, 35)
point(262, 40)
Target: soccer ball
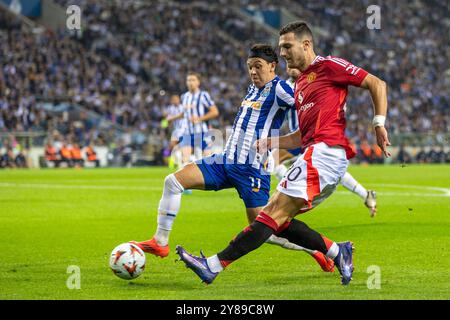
point(127, 261)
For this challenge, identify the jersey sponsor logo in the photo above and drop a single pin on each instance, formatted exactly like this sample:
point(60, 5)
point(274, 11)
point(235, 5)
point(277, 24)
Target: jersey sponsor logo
point(311, 77)
point(251, 104)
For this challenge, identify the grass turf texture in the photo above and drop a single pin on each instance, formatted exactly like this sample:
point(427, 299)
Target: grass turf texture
point(50, 219)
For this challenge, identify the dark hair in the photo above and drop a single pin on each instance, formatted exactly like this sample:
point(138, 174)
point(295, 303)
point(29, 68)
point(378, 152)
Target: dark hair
point(195, 74)
point(299, 28)
point(263, 51)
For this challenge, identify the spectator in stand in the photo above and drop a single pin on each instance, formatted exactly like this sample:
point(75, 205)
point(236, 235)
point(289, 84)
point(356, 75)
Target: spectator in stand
point(7, 160)
point(403, 156)
point(365, 152)
point(441, 155)
point(66, 154)
point(91, 155)
point(77, 158)
point(52, 155)
point(377, 154)
point(21, 159)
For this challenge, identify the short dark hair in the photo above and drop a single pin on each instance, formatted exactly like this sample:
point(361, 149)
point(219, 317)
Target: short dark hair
point(195, 74)
point(264, 51)
point(299, 28)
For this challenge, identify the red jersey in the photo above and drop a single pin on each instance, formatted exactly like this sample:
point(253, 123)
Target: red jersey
point(320, 97)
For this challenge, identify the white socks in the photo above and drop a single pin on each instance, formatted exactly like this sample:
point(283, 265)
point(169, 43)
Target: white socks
point(333, 251)
point(280, 171)
point(169, 205)
point(214, 263)
point(354, 186)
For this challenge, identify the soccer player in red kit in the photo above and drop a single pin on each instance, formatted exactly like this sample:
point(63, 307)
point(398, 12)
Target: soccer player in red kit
point(320, 97)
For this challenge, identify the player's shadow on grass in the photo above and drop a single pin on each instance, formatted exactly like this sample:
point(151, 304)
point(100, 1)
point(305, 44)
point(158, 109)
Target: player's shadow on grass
point(156, 285)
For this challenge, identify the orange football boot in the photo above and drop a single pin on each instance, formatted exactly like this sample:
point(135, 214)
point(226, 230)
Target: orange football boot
point(325, 263)
point(152, 247)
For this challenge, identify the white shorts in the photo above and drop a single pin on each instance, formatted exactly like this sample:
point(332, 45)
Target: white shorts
point(315, 174)
point(176, 135)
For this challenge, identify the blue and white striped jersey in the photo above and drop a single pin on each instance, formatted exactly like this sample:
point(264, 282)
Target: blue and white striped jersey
point(291, 115)
point(178, 125)
point(261, 111)
point(196, 104)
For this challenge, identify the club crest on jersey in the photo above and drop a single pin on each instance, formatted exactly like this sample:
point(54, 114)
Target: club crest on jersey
point(311, 77)
point(265, 92)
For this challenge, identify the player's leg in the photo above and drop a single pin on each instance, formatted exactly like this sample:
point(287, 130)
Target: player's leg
point(280, 155)
point(205, 174)
point(369, 196)
point(188, 177)
point(305, 184)
point(325, 263)
point(248, 240)
point(186, 152)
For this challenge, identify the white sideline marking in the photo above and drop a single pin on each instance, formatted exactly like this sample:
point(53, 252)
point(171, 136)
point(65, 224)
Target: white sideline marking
point(445, 191)
point(68, 186)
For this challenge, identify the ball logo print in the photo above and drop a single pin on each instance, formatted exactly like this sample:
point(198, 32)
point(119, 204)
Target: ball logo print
point(127, 261)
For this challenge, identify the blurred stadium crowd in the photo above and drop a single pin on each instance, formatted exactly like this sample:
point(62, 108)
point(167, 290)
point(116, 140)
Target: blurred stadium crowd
point(132, 55)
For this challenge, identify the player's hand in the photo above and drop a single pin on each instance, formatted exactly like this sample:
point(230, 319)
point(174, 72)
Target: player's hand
point(262, 145)
point(383, 140)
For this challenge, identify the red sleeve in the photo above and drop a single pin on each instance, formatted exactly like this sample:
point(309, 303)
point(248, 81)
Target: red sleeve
point(344, 73)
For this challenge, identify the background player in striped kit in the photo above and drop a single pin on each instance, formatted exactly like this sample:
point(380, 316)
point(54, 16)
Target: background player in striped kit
point(198, 109)
point(281, 155)
point(174, 114)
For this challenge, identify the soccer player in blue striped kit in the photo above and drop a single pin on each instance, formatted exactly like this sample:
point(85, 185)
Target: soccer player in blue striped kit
point(239, 166)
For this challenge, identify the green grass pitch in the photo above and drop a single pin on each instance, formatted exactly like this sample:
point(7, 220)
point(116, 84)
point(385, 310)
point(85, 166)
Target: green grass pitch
point(51, 219)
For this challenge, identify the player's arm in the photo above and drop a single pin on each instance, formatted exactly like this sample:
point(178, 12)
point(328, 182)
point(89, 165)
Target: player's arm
point(288, 141)
point(176, 117)
point(212, 113)
point(378, 92)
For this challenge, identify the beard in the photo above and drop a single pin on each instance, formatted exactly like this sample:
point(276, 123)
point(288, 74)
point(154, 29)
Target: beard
point(299, 63)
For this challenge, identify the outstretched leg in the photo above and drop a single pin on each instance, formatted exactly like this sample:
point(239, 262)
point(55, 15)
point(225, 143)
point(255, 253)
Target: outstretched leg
point(275, 217)
point(189, 177)
point(279, 239)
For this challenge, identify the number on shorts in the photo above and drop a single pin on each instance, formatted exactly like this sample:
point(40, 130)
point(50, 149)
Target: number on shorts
point(294, 173)
point(256, 183)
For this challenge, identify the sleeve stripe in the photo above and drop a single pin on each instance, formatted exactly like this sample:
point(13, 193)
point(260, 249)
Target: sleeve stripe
point(286, 88)
point(209, 103)
point(338, 62)
point(284, 94)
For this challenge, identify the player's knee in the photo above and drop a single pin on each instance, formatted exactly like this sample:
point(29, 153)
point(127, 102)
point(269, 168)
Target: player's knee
point(172, 185)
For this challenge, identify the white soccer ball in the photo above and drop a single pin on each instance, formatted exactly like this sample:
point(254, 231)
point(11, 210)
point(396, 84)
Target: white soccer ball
point(127, 261)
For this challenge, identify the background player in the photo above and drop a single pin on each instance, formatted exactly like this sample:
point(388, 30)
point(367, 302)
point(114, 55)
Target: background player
point(320, 96)
point(175, 116)
point(198, 109)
